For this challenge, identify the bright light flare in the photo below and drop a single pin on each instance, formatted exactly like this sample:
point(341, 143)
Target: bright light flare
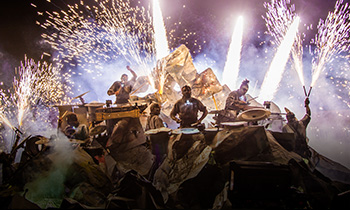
point(278, 18)
point(231, 69)
point(161, 43)
point(275, 72)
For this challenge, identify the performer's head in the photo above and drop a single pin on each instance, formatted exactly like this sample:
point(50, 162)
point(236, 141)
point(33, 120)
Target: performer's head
point(124, 78)
point(186, 91)
point(155, 109)
point(72, 119)
point(243, 89)
point(290, 115)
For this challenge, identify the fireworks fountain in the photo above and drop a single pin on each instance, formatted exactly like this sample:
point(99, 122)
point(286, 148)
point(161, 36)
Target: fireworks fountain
point(332, 39)
point(161, 43)
point(231, 69)
point(103, 34)
point(274, 74)
point(279, 17)
point(36, 85)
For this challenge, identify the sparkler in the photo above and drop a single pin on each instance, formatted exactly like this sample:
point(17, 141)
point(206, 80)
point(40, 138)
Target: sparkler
point(34, 83)
point(274, 74)
point(101, 34)
point(279, 17)
point(332, 39)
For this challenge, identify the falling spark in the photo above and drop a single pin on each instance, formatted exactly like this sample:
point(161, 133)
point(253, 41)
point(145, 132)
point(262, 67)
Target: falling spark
point(4, 119)
point(91, 36)
point(34, 84)
point(274, 74)
point(332, 38)
point(230, 73)
point(161, 43)
point(278, 19)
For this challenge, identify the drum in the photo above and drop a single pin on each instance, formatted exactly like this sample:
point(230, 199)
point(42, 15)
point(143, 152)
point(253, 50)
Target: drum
point(216, 111)
point(92, 109)
point(254, 114)
point(233, 125)
point(133, 111)
point(188, 131)
point(159, 139)
point(97, 130)
point(210, 133)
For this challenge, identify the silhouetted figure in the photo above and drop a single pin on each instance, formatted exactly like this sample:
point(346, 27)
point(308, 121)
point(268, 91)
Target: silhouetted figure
point(121, 89)
point(236, 100)
point(74, 129)
point(298, 127)
point(187, 109)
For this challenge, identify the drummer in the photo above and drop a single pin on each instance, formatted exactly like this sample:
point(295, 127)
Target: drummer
point(237, 100)
point(75, 129)
point(154, 121)
point(187, 109)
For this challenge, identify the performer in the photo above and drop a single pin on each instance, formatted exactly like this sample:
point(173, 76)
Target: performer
point(121, 89)
point(298, 127)
point(154, 121)
point(237, 100)
point(187, 108)
point(74, 129)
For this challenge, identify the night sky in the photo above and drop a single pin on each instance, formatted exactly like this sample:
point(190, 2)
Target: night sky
point(211, 20)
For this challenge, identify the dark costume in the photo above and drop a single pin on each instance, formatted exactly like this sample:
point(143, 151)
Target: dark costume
point(122, 91)
point(74, 129)
point(187, 108)
point(123, 88)
point(235, 102)
point(124, 94)
point(298, 127)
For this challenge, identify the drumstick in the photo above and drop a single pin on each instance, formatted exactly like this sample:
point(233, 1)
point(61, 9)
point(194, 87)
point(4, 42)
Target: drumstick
point(252, 99)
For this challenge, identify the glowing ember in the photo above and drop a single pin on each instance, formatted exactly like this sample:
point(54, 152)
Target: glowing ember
point(101, 34)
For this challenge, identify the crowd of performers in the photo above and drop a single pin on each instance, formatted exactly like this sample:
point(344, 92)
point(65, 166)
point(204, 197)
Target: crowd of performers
point(128, 147)
point(126, 142)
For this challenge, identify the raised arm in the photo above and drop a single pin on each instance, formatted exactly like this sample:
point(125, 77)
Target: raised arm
point(134, 75)
point(308, 110)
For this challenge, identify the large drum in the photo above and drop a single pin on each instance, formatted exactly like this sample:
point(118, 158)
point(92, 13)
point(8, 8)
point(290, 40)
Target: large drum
point(159, 139)
point(188, 131)
point(254, 114)
point(210, 133)
point(92, 109)
point(233, 125)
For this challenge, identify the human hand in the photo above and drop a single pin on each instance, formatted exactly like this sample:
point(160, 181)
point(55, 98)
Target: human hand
point(128, 68)
point(307, 101)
